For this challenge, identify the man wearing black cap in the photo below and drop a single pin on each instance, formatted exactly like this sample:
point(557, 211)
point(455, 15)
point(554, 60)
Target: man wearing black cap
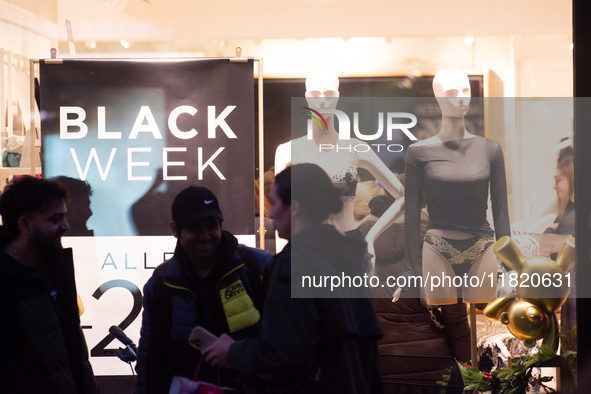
point(212, 281)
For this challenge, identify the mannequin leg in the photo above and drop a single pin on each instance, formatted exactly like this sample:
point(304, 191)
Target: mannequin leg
point(484, 266)
point(436, 265)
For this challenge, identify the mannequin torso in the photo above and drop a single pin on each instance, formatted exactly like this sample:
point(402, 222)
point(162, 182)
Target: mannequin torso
point(454, 169)
point(341, 165)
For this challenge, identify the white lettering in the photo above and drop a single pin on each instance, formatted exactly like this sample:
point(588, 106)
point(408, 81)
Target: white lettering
point(78, 122)
point(344, 123)
point(166, 164)
point(131, 164)
point(358, 148)
point(403, 127)
point(395, 145)
point(183, 109)
point(151, 127)
point(93, 155)
point(363, 137)
point(102, 133)
point(213, 122)
point(209, 163)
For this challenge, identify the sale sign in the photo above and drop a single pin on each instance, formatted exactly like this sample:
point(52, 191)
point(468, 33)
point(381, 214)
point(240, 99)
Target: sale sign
point(125, 137)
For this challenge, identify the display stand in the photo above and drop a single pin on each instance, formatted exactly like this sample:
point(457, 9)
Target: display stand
point(10, 66)
point(239, 59)
point(473, 344)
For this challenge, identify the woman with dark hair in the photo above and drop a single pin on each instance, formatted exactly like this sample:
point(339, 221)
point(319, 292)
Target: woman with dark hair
point(321, 345)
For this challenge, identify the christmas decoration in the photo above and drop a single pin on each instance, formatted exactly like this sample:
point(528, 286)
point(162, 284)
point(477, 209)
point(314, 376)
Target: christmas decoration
point(516, 379)
point(542, 287)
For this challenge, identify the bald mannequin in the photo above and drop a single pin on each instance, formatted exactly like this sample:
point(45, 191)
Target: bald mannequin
point(322, 92)
point(455, 165)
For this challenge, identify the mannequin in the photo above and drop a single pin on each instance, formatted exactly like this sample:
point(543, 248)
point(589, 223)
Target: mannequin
point(455, 169)
point(322, 92)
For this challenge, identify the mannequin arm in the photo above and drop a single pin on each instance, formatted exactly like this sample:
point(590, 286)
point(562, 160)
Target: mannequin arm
point(282, 157)
point(412, 218)
point(498, 190)
point(371, 162)
point(394, 212)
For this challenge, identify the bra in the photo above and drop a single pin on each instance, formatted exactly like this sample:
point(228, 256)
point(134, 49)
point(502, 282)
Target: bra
point(345, 177)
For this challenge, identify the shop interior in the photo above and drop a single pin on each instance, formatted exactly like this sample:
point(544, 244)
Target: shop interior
point(518, 52)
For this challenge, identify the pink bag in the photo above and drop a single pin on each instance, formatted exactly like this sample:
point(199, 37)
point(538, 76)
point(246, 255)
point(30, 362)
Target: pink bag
point(181, 385)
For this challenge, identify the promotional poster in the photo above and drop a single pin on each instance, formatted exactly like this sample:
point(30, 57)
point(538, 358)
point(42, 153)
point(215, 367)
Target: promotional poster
point(125, 137)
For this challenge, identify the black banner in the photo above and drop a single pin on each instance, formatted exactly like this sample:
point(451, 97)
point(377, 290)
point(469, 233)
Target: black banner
point(140, 131)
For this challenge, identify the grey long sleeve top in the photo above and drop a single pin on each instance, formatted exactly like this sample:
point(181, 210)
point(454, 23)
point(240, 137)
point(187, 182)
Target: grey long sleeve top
point(455, 177)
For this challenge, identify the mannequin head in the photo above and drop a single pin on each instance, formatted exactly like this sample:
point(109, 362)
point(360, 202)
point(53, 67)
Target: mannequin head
point(322, 90)
point(452, 91)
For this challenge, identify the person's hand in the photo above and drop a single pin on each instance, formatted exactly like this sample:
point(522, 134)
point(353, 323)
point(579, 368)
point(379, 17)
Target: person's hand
point(553, 226)
point(217, 353)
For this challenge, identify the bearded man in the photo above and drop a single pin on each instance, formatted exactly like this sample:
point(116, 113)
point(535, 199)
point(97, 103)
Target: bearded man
point(43, 348)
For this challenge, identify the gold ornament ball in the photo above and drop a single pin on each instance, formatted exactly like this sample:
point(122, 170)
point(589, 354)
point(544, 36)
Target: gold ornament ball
point(526, 321)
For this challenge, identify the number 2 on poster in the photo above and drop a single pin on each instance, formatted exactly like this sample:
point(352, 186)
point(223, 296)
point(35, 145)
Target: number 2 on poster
point(100, 349)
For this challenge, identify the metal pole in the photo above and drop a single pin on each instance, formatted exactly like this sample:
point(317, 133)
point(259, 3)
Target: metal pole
point(473, 351)
point(9, 106)
point(33, 136)
point(261, 159)
point(3, 132)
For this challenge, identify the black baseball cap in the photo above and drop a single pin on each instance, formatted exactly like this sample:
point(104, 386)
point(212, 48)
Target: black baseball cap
point(195, 203)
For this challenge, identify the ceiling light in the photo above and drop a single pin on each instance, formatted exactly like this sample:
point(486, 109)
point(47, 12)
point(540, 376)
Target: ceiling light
point(469, 40)
point(125, 44)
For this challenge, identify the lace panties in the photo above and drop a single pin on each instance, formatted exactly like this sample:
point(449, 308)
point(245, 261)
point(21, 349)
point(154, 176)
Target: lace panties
point(459, 251)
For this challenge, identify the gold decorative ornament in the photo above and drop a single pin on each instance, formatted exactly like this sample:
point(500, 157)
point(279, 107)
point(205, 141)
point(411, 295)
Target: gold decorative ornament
point(542, 288)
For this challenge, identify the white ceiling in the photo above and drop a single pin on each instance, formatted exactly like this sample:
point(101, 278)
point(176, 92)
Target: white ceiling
point(190, 20)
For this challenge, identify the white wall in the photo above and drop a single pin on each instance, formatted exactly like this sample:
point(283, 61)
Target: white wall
point(26, 33)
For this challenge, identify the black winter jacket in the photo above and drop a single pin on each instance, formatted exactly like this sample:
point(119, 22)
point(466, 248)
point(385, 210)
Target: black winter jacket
point(42, 347)
point(333, 339)
point(176, 299)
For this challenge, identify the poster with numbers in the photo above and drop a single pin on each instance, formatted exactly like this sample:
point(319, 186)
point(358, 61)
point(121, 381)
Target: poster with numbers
point(125, 136)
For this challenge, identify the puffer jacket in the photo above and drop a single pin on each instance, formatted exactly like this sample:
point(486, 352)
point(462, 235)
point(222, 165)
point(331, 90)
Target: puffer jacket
point(43, 348)
point(228, 300)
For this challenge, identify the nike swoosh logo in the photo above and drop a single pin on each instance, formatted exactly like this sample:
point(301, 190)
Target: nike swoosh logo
point(207, 202)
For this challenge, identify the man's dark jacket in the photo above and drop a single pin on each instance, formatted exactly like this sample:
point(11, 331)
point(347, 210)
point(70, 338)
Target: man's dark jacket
point(42, 347)
point(176, 298)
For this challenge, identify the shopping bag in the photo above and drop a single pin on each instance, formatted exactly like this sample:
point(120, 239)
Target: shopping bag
point(182, 385)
